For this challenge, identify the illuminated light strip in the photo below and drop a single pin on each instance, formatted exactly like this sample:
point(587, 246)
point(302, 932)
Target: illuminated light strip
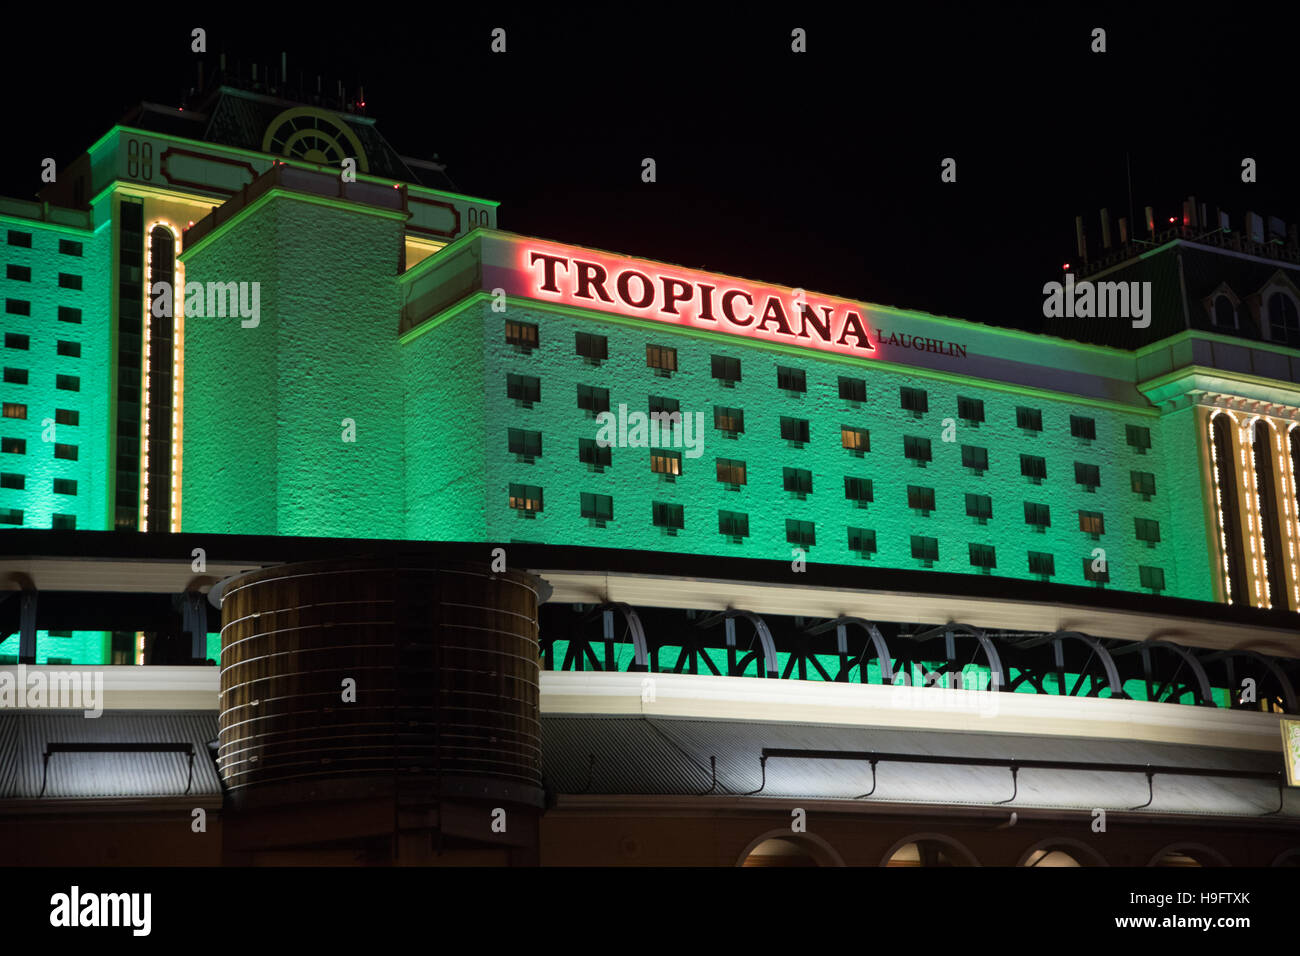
point(1290, 507)
point(1218, 501)
point(1252, 511)
point(148, 352)
point(178, 361)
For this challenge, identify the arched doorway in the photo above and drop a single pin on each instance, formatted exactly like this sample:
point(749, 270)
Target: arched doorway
point(783, 848)
point(929, 849)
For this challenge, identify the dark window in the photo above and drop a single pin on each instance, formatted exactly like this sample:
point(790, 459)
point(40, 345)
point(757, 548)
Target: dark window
point(791, 379)
point(1138, 437)
point(668, 516)
point(593, 348)
point(522, 335)
point(979, 507)
point(1283, 319)
point(974, 458)
point(794, 430)
point(1087, 475)
point(726, 370)
point(920, 499)
point(862, 541)
point(69, 383)
point(68, 314)
point(525, 444)
point(1100, 575)
point(661, 358)
point(1225, 315)
point(970, 410)
point(663, 462)
point(856, 440)
point(18, 307)
point(1041, 564)
point(9, 479)
point(15, 410)
point(15, 376)
point(64, 522)
point(65, 486)
point(1144, 484)
point(11, 516)
point(797, 481)
point(731, 472)
point(665, 406)
point(925, 549)
point(1092, 522)
point(593, 400)
point(67, 281)
point(13, 446)
point(524, 389)
point(1147, 530)
point(15, 341)
point(70, 349)
point(67, 416)
point(800, 533)
point(733, 524)
point(69, 248)
point(598, 457)
point(983, 556)
point(18, 273)
point(66, 451)
point(853, 389)
point(1038, 515)
point(916, 449)
point(1034, 468)
point(597, 508)
point(1030, 419)
point(729, 421)
point(913, 400)
point(22, 239)
point(526, 498)
point(1081, 427)
point(859, 491)
point(1153, 579)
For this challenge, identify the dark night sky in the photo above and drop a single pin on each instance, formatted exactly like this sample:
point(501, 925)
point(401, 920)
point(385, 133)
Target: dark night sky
point(818, 170)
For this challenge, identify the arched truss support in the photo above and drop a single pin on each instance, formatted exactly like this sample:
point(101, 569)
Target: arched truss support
point(841, 625)
point(736, 666)
point(1057, 640)
point(640, 646)
point(1204, 696)
point(1283, 682)
point(950, 631)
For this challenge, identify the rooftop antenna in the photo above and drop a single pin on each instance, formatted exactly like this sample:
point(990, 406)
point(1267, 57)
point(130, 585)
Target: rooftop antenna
point(284, 68)
point(1128, 167)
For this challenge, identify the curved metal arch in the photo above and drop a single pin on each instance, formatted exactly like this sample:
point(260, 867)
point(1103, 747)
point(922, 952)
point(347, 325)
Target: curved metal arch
point(1288, 691)
point(1107, 662)
point(760, 628)
point(991, 654)
point(640, 646)
point(1193, 662)
point(873, 632)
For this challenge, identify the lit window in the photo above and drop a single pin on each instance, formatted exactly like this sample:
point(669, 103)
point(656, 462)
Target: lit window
point(67, 416)
point(526, 499)
point(729, 421)
point(522, 335)
point(1092, 522)
point(731, 472)
point(857, 440)
point(661, 358)
point(667, 463)
point(15, 410)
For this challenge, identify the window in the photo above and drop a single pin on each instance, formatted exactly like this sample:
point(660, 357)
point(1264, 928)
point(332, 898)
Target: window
point(1030, 419)
point(916, 450)
point(15, 341)
point(66, 451)
point(1147, 531)
point(1283, 319)
point(729, 421)
point(1144, 484)
point(1034, 468)
point(1225, 314)
point(69, 383)
point(593, 348)
point(665, 406)
point(984, 557)
point(11, 516)
point(526, 499)
point(853, 389)
point(69, 248)
point(975, 458)
point(731, 472)
point(15, 376)
point(913, 400)
point(1082, 427)
point(21, 239)
point(1087, 475)
point(70, 349)
point(593, 400)
point(527, 445)
point(801, 534)
point(65, 486)
point(595, 456)
point(733, 524)
point(794, 430)
point(68, 281)
point(979, 507)
point(1041, 565)
point(666, 463)
point(598, 509)
point(970, 410)
point(1153, 579)
point(667, 516)
point(1138, 437)
point(726, 370)
point(920, 499)
point(862, 541)
point(18, 273)
point(15, 410)
point(661, 358)
point(1099, 575)
point(69, 314)
point(524, 389)
point(522, 335)
point(66, 416)
point(18, 307)
point(856, 440)
point(9, 479)
point(64, 522)
point(925, 550)
point(797, 481)
point(1092, 522)
point(13, 446)
point(791, 379)
point(1038, 516)
point(858, 491)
